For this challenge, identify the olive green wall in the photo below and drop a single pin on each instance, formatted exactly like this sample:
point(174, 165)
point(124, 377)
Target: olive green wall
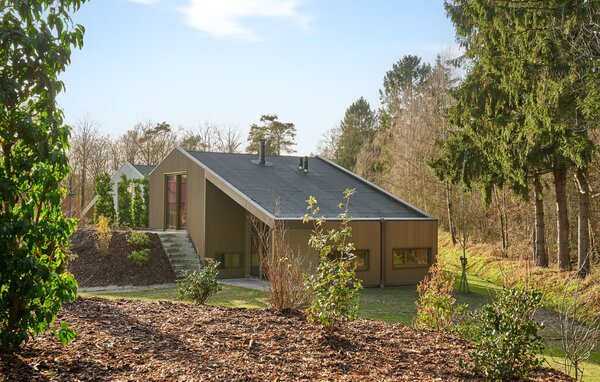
point(178, 163)
point(225, 229)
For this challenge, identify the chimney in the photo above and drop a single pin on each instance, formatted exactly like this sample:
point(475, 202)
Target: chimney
point(300, 164)
point(305, 164)
point(261, 152)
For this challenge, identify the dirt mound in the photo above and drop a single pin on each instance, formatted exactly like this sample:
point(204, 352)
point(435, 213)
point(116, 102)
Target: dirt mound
point(166, 341)
point(91, 269)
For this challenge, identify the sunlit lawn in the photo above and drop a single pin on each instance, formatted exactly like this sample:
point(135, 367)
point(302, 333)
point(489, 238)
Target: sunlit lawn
point(391, 305)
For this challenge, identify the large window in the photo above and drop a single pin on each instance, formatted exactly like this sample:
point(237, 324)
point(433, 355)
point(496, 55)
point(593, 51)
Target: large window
point(361, 258)
point(229, 260)
point(411, 257)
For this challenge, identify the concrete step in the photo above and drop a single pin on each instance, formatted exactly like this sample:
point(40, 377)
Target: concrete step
point(179, 247)
point(181, 252)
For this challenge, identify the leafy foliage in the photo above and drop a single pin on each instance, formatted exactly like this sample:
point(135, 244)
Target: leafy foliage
point(279, 136)
point(436, 306)
point(124, 200)
point(199, 286)
point(105, 206)
point(103, 236)
point(35, 47)
point(146, 192)
point(507, 341)
point(334, 285)
point(357, 127)
point(138, 239)
point(140, 256)
point(138, 207)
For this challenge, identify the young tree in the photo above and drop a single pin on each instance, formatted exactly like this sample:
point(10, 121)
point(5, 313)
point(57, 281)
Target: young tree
point(124, 201)
point(35, 47)
point(279, 136)
point(105, 206)
point(146, 191)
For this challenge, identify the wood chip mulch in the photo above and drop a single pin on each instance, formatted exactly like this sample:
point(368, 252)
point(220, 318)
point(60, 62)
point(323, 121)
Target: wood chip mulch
point(164, 341)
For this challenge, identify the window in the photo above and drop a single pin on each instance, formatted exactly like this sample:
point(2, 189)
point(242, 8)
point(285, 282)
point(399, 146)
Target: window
point(410, 257)
point(229, 260)
point(361, 258)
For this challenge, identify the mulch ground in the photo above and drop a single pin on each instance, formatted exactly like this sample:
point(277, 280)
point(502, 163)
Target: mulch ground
point(166, 341)
point(92, 269)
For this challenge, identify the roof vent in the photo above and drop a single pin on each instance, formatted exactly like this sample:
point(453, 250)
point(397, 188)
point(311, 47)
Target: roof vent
point(300, 163)
point(305, 164)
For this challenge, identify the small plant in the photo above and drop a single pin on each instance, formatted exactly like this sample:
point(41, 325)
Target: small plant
point(138, 239)
point(199, 286)
point(140, 257)
point(436, 306)
point(507, 342)
point(103, 236)
point(335, 285)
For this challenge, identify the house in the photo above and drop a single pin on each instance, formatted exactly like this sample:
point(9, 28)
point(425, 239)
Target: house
point(214, 197)
point(131, 171)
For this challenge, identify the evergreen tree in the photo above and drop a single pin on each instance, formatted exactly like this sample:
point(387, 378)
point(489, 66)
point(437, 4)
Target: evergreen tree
point(358, 126)
point(124, 202)
point(146, 192)
point(522, 71)
point(279, 136)
point(105, 206)
point(138, 211)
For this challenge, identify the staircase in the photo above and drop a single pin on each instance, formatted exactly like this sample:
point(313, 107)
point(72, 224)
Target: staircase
point(180, 251)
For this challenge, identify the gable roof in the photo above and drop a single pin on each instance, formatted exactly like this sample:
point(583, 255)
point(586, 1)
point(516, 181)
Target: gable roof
point(143, 169)
point(281, 180)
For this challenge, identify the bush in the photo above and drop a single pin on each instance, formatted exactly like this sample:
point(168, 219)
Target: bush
point(103, 236)
point(335, 285)
point(199, 286)
point(105, 206)
point(436, 306)
point(140, 257)
point(507, 342)
point(124, 202)
point(138, 239)
point(138, 211)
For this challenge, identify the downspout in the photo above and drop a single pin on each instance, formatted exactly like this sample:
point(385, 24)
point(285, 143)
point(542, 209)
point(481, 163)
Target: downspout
point(381, 284)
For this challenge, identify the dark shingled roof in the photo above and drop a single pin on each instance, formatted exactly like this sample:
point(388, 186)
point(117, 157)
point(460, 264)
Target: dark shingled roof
point(144, 169)
point(281, 179)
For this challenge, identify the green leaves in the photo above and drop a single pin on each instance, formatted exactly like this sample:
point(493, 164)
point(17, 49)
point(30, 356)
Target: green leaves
point(35, 46)
point(199, 286)
point(334, 285)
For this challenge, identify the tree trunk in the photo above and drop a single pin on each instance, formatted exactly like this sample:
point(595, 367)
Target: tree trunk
point(502, 213)
point(559, 171)
point(450, 221)
point(583, 242)
point(540, 255)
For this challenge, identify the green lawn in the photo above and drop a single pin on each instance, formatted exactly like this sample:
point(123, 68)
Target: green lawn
point(391, 305)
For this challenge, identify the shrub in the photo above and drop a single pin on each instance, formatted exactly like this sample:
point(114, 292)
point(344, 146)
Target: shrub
point(146, 192)
point(124, 202)
point(335, 285)
point(199, 286)
point(138, 206)
point(103, 236)
point(283, 267)
point(436, 306)
point(507, 342)
point(140, 257)
point(138, 239)
point(105, 206)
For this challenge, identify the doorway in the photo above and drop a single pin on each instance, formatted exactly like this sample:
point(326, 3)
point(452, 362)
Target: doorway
point(175, 201)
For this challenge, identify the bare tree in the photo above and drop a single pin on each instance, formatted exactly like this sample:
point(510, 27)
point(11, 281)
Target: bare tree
point(229, 140)
point(155, 142)
point(84, 145)
point(328, 144)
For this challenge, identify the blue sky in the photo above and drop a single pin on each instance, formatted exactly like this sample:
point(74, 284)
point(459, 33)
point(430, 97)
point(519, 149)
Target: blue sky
point(229, 61)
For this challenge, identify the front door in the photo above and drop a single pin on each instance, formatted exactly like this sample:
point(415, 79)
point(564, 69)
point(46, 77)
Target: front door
point(175, 201)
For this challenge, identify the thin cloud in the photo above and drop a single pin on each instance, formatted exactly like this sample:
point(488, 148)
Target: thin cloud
point(228, 19)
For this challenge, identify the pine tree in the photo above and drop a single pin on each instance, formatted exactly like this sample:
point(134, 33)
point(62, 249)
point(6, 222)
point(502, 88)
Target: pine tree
point(138, 211)
point(105, 206)
point(124, 202)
